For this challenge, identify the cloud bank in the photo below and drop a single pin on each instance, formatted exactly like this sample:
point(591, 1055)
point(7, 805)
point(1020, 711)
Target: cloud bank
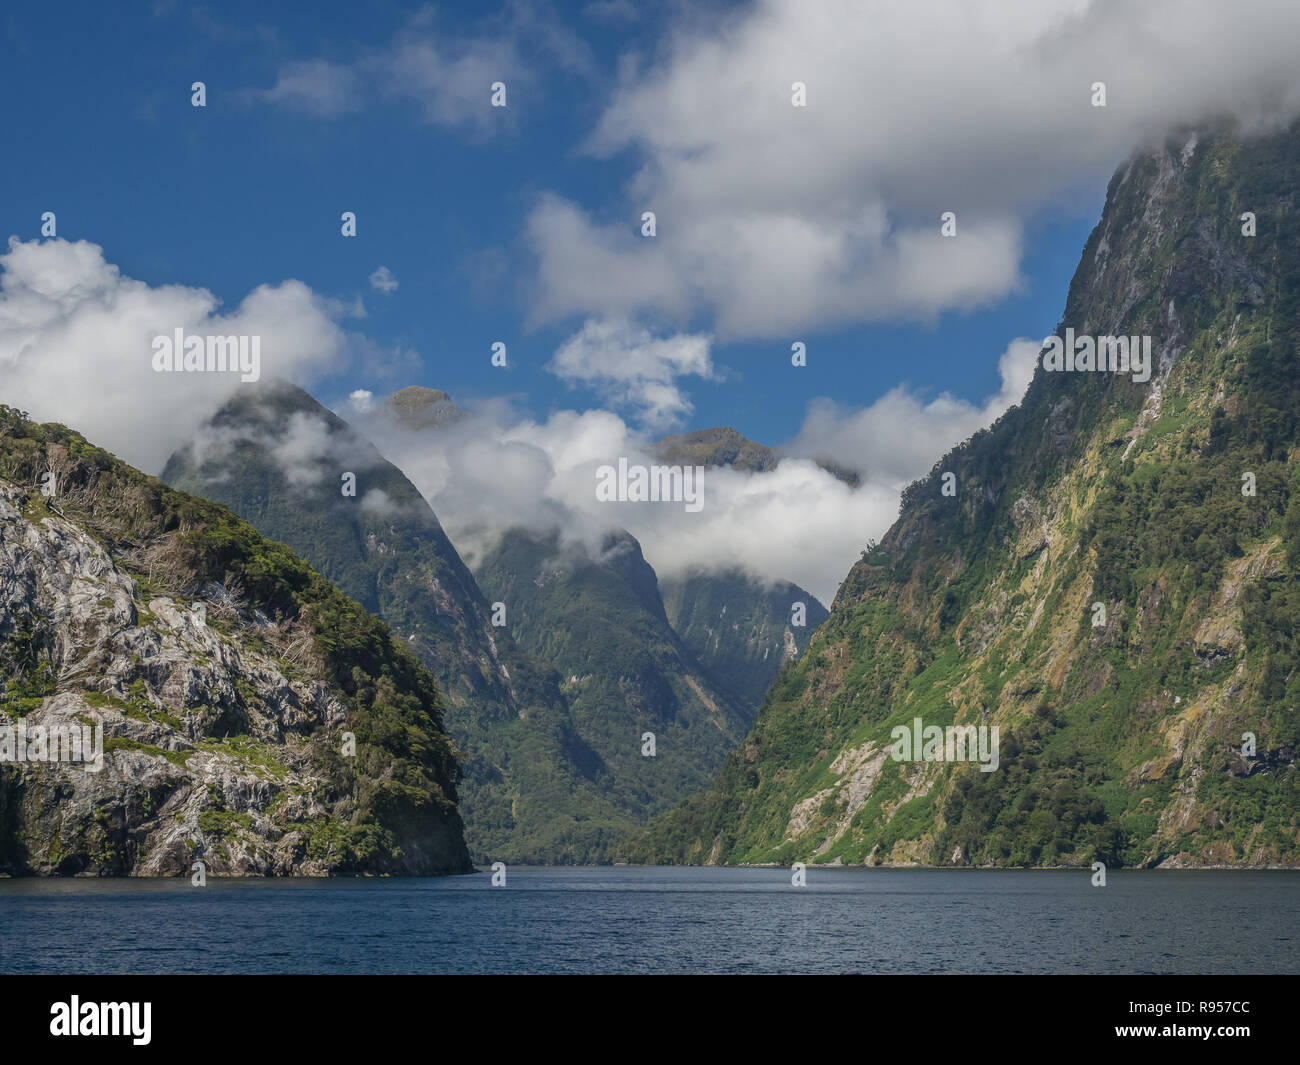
point(496, 470)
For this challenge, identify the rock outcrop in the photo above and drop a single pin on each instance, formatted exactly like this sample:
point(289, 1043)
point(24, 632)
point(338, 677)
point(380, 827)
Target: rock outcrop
point(232, 722)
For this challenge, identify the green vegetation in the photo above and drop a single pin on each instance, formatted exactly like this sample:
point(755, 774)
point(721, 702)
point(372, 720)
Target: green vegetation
point(552, 766)
point(400, 788)
point(979, 608)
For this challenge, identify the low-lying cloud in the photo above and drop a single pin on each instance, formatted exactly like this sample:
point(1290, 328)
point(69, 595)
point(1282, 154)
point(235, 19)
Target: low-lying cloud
point(496, 470)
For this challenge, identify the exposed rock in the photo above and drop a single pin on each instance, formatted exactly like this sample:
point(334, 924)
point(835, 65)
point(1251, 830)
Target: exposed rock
point(221, 739)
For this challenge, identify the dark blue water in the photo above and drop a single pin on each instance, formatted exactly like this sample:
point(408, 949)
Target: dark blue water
point(630, 920)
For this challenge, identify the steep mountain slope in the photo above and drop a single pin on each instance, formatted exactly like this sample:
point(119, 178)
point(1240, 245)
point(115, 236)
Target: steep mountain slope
point(279, 459)
point(740, 631)
point(227, 732)
point(601, 622)
point(1101, 586)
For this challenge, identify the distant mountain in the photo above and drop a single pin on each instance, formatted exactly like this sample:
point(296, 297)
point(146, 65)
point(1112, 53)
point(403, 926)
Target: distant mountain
point(725, 446)
point(737, 631)
point(601, 622)
point(280, 460)
point(722, 446)
point(550, 707)
point(231, 683)
point(423, 408)
point(740, 630)
point(1109, 576)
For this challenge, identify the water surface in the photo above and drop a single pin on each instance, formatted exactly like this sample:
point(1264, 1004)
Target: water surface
point(652, 920)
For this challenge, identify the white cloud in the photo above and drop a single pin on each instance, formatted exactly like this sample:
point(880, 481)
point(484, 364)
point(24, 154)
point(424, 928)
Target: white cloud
point(773, 218)
point(382, 280)
point(76, 346)
point(900, 436)
point(446, 74)
point(496, 470)
point(631, 368)
point(448, 80)
point(379, 503)
point(314, 86)
point(304, 449)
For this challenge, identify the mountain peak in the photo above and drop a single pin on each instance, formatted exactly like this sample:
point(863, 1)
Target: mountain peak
point(720, 446)
point(417, 407)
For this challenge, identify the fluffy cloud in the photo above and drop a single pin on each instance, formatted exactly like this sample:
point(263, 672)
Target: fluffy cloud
point(314, 86)
point(773, 218)
point(631, 368)
point(304, 449)
point(447, 79)
point(900, 436)
point(76, 346)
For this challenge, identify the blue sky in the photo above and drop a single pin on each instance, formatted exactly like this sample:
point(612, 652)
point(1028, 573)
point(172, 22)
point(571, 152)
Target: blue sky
point(243, 192)
point(798, 157)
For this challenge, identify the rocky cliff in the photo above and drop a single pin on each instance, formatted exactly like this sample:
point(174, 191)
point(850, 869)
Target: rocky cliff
point(249, 716)
point(1108, 576)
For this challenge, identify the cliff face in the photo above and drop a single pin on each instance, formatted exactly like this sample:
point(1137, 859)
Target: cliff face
point(1108, 575)
point(599, 619)
point(252, 717)
point(741, 631)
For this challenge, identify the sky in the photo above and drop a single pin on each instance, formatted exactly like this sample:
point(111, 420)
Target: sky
point(523, 224)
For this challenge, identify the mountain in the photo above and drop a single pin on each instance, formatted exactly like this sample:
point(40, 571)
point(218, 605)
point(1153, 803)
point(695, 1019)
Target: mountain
point(725, 446)
point(422, 408)
point(282, 462)
point(252, 716)
point(740, 630)
point(597, 616)
point(599, 619)
point(722, 446)
point(1108, 575)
